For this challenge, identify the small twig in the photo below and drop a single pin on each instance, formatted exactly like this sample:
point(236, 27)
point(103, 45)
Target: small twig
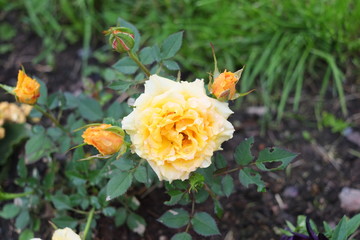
point(88, 222)
point(134, 57)
point(192, 211)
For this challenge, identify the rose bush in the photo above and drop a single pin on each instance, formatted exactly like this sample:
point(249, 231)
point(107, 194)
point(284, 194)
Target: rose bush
point(27, 89)
point(176, 127)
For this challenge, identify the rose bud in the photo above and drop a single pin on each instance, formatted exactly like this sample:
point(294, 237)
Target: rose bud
point(105, 141)
point(27, 89)
point(224, 85)
point(121, 38)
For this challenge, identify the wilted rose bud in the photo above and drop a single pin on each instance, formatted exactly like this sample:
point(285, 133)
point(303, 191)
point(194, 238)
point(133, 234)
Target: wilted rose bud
point(27, 89)
point(105, 141)
point(121, 38)
point(224, 85)
point(65, 234)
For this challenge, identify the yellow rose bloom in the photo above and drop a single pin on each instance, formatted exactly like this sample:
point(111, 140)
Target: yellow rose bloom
point(65, 234)
point(27, 89)
point(176, 127)
point(106, 142)
point(224, 86)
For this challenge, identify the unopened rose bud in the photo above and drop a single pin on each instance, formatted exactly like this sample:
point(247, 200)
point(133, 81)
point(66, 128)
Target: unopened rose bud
point(106, 142)
point(27, 89)
point(224, 85)
point(121, 38)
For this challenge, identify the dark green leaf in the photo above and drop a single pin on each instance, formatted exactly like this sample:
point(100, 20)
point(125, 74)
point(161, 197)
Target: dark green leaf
point(124, 163)
point(26, 234)
point(220, 161)
point(65, 221)
point(248, 176)
point(274, 155)
point(201, 196)
point(176, 196)
point(227, 185)
point(14, 134)
point(22, 220)
point(218, 209)
point(61, 201)
point(10, 210)
point(70, 100)
point(109, 211)
point(175, 218)
point(120, 217)
point(204, 224)
point(136, 223)
point(243, 155)
point(118, 184)
point(147, 55)
point(43, 93)
point(89, 108)
point(353, 224)
point(181, 236)
point(120, 85)
point(171, 65)
point(37, 147)
point(21, 168)
point(141, 174)
point(126, 65)
point(340, 232)
point(171, 45)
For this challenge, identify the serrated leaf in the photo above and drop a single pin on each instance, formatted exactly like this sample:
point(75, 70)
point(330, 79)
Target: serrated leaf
point(147, 55)
point(61, 201)
point(141, 174)
point(227, 185)
point(89, 108)
point(176, 196)
point(353, 224)
point(136, 223)
point(120, 217)
point(243, 155)
point(10, 210)
point(339, 232)
point(181, 236)
point(171, 65)
point(220, 161)
point(248, 176)
point(118, 184)
point(126, 65)
point(274, 155)
point(124, 163)
point(175, 218)
point(171, 45)
point(218, 209)
point(121, 85)
point(204, 224)
point(38, 146)
point(22, 220)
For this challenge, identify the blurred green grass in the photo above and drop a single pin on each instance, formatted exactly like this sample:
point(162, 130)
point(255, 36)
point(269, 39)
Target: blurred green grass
point(285, 45)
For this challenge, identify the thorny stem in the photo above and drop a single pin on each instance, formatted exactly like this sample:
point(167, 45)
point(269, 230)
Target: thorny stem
point(52, 118)
point(228, 171)
point(88, 222)
point(134, 57)
point(192, 211)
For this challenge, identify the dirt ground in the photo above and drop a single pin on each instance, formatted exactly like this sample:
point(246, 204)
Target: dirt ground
point(310, 186)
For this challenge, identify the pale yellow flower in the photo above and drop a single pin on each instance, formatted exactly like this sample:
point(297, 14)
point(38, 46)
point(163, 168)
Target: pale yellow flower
point(65, 234)
point(176, 127)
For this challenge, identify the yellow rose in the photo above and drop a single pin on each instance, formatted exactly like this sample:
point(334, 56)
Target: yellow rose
point(27, 89)
point(224, 85)
point(65, 234)
point(176, 127)
point(106, 142)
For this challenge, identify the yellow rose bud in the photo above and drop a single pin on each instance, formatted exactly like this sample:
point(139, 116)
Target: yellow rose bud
point(65, 234)
point(224, 85)
point(106, 142)
point(27, 89)
point(176, 127)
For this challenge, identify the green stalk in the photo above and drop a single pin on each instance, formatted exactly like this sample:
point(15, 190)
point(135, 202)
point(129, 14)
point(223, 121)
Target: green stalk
point(9, 196)
point(134, 57)
point(52, 118)
point(88, 222)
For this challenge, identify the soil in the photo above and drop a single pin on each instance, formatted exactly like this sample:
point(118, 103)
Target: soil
point(310, 186)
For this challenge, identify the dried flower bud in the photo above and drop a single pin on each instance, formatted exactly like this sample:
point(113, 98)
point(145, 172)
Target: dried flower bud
point(27, 89)
point(121, 38)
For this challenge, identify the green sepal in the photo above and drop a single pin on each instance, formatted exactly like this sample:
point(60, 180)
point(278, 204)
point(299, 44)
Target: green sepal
point(8, 89)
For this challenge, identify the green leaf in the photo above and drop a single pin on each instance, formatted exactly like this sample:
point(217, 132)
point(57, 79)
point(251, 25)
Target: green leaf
point(136, 223)
point(204, 224)
point(22, 220)
point(353, 224)
point(227, 185)
point(10, 210)
point(7, 88)
point(175, 197)
point(14, 134)
point(274, 155)
point(109, 211)
point(26, 234)
point(201, 196)
point(218, 209)
point(220, 161)
point(121, 85)
point(181, 236)
point(120, 217)
point(65, 221)
point(37, 147)
point(118, 184)
point(175, 218)
point(248, 176)
point(171, 65)
point(42, 100)
point(147, 55)
point(126, 65)
point(124, 163)
point(340, 232)
point(243, 155)
point(89, 108)
point(61, 201)
point(171, 45)
point(124, 23)
point(141, 174)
